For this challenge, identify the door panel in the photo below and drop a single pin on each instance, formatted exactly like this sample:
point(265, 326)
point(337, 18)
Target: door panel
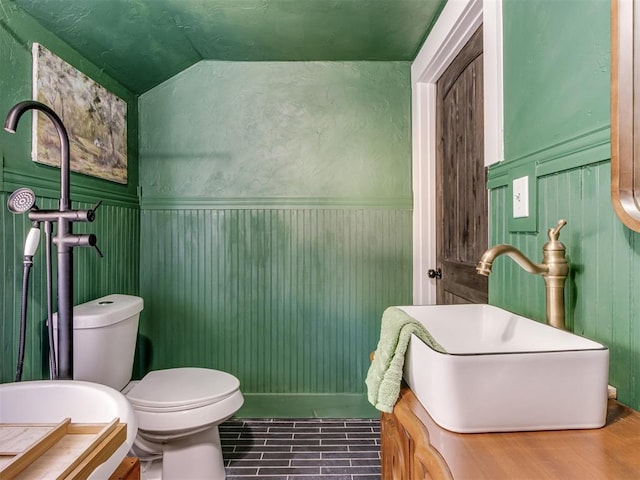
point(460, 172)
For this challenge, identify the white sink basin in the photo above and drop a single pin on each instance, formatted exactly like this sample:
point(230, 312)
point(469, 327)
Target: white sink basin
point(52, 401)
point(504, 372)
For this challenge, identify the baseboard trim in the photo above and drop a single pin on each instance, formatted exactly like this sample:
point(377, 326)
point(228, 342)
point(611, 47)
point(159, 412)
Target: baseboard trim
point(296, 405)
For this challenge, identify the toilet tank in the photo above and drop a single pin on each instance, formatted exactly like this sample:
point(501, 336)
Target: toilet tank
point(104, 339)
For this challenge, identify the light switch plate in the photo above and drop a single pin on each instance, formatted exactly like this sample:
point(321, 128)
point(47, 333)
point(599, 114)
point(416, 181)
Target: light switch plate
point(522, 177)
point(521, 197)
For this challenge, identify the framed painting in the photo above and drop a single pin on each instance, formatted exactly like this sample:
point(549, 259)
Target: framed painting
point(96, 119)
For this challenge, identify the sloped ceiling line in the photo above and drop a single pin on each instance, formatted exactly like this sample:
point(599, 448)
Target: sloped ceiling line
point(142, 43)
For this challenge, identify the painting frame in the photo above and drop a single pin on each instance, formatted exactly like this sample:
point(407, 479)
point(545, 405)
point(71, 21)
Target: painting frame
point(95, 119)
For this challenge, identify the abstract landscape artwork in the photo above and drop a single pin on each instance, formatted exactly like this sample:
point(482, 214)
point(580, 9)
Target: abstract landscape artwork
point(95, 119)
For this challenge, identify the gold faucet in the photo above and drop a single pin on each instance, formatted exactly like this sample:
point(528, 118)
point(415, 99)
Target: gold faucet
point(554, 270)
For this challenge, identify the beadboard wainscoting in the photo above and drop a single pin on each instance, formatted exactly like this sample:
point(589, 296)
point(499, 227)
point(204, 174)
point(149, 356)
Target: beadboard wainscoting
point(288, 300)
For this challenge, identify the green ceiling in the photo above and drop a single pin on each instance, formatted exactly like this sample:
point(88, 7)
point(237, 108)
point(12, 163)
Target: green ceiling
point(141, 43)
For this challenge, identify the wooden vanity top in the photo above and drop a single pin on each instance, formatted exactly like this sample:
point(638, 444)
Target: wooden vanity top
point(609, 453)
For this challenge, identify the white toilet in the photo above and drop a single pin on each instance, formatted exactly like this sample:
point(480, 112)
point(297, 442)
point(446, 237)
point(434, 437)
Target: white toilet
point(178, 410)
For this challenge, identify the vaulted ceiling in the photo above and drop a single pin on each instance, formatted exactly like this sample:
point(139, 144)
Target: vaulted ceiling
point(141, 43)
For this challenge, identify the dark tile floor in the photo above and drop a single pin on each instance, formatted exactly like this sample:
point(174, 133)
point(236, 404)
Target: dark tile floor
point(301, 449)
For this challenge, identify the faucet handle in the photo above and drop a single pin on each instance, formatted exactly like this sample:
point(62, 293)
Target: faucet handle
point(93, 243)
point(554, 232)
point(98, 252)
point(91, 213)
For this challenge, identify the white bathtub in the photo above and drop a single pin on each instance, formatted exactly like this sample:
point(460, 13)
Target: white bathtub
point(52, 401)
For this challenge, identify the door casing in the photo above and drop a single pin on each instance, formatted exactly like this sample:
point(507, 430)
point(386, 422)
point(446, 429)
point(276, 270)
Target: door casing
point(455, 26)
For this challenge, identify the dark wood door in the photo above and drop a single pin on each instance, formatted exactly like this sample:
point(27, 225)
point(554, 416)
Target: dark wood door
point(460, 174)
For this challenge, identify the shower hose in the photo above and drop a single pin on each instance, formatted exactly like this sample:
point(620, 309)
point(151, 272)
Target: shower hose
point(26, 271)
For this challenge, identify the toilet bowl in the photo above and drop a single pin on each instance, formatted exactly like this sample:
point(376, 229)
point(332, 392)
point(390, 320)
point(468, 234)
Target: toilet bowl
point(178, 410)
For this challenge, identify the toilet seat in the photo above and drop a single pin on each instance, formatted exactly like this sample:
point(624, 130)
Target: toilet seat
point(180, 389)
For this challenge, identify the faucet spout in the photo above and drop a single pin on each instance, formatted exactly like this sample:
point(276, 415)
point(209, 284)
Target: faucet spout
point(486, 261)
point(554, 269)
point(11, 123)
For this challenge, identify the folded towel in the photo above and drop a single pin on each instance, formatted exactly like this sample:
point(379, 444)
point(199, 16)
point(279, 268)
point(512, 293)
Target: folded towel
point(385, 373)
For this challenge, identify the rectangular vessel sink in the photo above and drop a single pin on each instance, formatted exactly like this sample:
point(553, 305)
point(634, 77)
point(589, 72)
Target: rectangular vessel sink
point(503, 372)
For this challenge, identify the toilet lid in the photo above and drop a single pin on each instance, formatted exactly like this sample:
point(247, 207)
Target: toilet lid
point(181, 388)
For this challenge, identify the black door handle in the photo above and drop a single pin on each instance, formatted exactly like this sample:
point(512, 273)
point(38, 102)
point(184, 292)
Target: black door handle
point(437, 274)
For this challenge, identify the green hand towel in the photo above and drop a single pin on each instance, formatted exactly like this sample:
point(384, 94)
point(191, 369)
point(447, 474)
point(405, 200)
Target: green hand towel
point(385, 373)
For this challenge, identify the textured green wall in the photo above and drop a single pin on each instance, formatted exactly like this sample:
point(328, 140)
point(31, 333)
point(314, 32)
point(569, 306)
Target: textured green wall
point(276, 219)
point(118, 221)
point(556, 72)
point(242, 130)
point(556, 111)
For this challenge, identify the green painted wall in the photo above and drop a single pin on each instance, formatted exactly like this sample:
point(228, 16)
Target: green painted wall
point(556, 72)
point(242, 130)
point(117, 225)
point(276, 219)
point(556, 111)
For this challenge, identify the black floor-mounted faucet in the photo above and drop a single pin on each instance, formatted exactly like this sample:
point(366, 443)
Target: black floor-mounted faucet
point(64, 239)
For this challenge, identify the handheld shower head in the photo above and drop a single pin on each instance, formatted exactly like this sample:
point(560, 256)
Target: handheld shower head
point(22, 200)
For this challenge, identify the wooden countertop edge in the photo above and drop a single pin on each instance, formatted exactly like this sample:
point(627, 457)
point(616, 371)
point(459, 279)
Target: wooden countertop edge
point(612, 451)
